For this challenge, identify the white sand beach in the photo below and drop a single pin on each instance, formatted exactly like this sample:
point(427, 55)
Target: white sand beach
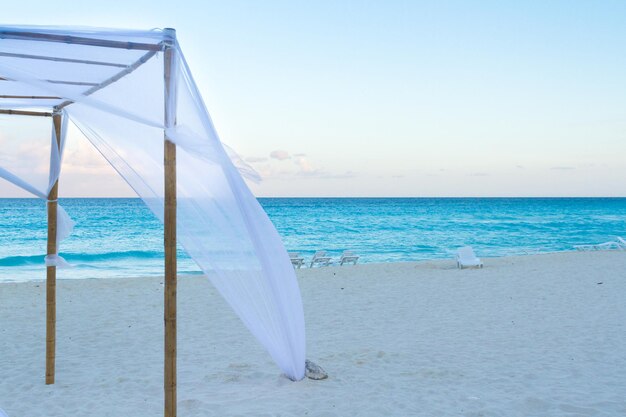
point(539, 335)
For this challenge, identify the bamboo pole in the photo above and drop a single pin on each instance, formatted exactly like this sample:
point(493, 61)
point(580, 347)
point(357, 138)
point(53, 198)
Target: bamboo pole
point(59, 59)
point(66, 82)
point(51, 271)
point(77, 40)
point(78, 83)
point(32, 97)
point(25, 113)
point(127, 70)
point(169, 237)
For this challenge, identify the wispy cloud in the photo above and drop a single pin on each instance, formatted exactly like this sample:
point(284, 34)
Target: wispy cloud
point(29, 156)
point(81, 162)
point(563, 168)
point(280, 155)
point(344, 175)
point(256, 159)
point(304, 165)
point(320, 174)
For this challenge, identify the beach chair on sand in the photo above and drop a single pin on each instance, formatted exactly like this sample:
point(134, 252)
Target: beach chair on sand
point(617, 244)
point(320, 259)
point(465, 257)
point(598, 246)
point(296, 260)
point(348, 256)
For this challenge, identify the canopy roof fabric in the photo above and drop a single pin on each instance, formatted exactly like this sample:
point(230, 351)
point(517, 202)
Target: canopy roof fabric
point(112, 85)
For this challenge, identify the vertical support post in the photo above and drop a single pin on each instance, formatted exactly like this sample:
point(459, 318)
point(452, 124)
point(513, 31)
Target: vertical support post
point(169, 161)
point(51, 271)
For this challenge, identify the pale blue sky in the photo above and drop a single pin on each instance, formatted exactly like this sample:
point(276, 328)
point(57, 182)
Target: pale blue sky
point(484, 98)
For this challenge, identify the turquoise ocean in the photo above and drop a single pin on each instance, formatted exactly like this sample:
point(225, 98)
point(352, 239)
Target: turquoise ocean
point(121, 237)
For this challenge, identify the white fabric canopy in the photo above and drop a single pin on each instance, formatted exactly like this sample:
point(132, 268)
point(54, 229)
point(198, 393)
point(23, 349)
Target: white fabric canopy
point(41, 187)
point(110, 84)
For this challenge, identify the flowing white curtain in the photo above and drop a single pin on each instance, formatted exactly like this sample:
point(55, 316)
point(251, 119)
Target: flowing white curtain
point(220, 224)
point(65, 224)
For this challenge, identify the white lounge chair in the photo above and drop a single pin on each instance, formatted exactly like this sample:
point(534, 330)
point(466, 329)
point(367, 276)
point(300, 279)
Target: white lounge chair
point(320, 259)
point(296, 260)
point(617, 244)
point(348, 256)
point(598, 246)
point(465, 257)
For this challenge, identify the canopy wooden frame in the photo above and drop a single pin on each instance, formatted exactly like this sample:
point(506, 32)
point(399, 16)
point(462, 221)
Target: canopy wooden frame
point(167, 46)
